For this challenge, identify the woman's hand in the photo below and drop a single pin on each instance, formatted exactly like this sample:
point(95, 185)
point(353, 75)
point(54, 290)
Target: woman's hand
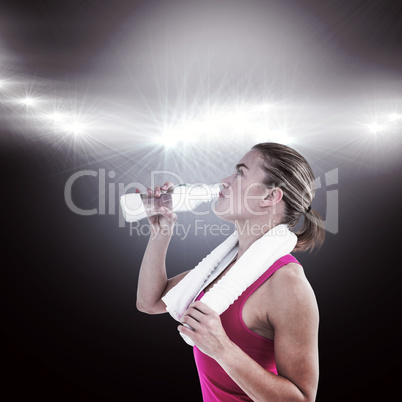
point(164, 221)
point(206, 329)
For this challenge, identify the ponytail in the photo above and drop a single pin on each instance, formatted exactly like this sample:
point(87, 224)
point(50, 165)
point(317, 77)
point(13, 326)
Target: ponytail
point(312, 233)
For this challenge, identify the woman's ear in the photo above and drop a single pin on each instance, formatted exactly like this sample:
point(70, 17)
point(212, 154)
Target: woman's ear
point(273, 197)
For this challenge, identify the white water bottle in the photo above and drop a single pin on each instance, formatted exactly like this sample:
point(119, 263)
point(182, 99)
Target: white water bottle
point(181, 198)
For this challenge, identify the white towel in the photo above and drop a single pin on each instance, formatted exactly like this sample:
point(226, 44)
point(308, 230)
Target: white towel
point(273, 245)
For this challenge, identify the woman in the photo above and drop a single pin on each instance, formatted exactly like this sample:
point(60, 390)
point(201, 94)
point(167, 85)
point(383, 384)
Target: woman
point(265, 345)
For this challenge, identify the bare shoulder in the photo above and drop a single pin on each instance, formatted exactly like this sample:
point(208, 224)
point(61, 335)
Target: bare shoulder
point(289, 292)
point(289, 279)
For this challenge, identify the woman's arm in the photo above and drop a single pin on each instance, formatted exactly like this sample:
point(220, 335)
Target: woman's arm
point(294, 315)
point(152, 281)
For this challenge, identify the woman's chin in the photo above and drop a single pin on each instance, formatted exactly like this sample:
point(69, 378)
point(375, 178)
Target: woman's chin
point(225, 215)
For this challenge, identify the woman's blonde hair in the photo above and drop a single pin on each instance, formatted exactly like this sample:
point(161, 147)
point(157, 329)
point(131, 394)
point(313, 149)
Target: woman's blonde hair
point(287, 169)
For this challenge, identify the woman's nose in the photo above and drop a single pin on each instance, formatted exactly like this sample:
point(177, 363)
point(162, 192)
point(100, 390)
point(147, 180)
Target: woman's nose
point(225, 183)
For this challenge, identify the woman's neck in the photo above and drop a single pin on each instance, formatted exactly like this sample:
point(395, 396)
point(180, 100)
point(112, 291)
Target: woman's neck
point(248, 233)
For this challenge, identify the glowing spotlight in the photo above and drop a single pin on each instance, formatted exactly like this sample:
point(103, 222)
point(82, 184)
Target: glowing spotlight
point(186, 133)
point(280, 136)
point(395, 116)
point(163, 140)
point(265, 107)
point(375, 128)
point(67, 122)
point(171, 138)
point(28, 101)
point(56, 117)
point(286, 140)
point(74, 127)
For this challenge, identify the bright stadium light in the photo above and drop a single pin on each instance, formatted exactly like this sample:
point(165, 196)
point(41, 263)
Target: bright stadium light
point(226, 121)
point(28, 101)
point(375, 128)
point(279, 136)
point(395, 116)
point(172, 137)
point(74, 127)
point(265, 107)
point(56, 117)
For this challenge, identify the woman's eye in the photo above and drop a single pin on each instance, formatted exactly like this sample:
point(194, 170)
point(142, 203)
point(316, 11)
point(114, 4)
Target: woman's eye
point(239, 171)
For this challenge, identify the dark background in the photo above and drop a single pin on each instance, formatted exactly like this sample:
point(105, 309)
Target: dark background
point(70, 328)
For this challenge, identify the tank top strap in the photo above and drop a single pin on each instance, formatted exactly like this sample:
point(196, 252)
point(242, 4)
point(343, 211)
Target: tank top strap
point(286, 259)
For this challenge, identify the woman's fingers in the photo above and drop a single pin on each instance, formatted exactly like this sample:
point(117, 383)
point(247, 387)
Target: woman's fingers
point(157, 191)
point(194, 314)
point(164, 188)
point(190, 321)
point(167, 213)
point(168, 185)
point(202, 307)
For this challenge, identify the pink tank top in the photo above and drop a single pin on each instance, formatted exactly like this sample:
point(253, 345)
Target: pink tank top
point(216, 385)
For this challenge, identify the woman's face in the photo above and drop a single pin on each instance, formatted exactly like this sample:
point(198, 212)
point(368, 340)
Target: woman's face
point(243, 195)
